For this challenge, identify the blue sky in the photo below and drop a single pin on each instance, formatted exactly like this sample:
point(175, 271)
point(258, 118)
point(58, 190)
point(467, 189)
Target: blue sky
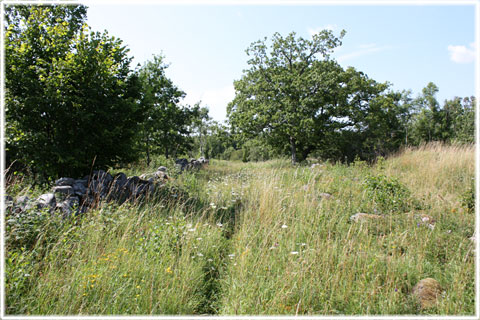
point(407, 46)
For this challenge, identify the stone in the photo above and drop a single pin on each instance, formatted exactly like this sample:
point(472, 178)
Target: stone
point(63, 189)
point(427, 291)
point(65, 182)
point(161, 175)
point(83, 182)
point(8, 200)
point(23, 203)
point(162, 169)
point(181, 163)
point(79, 189)
point(46, 200)
point(358, 217)
point(102, 176)
point(325, 195)
point(69, 206)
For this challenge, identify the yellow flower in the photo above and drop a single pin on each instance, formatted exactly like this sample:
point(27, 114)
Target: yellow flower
point(168, 270)
point(138, 287)
point(125, 275)
point(137, 295)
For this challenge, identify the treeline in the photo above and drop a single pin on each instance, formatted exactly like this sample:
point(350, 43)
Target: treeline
point(73, 103)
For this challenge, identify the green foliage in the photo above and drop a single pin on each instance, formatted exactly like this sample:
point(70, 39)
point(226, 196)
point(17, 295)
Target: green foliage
point(388, 193)
point(166, 127)
point(70, 96)
point(468, 198)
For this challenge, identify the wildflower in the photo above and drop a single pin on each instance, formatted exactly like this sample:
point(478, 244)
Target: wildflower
point(284, 226)
point(138, 287)
point(219, 224)
point(125, 275)
point(198, 239)
point(210, 260)
point(199, 254)
point(168, 270)
point(294, 252)
point(137, 295)
point(231, 255)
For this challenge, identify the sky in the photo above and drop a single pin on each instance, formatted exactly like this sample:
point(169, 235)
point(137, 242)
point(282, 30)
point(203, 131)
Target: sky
point(204, 45)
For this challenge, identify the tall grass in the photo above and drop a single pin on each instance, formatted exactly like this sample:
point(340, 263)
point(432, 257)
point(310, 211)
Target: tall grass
point(263, 238)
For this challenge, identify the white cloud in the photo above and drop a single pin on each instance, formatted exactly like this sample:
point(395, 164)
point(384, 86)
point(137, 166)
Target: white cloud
point(462, 54)
point(215, 99)
point(363, 50)
point(316, 30)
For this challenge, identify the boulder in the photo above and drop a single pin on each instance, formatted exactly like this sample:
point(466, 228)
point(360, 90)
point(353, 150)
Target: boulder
point(427, 291)
point(63, 190)
point(359, 217)
point(23, 203)
point(102, 176)
point(79, 189)
point(65, 182)
point(46, 200)
point(83, 182)
point(69, 206)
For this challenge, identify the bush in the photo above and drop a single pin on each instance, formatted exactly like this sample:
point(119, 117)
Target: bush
point(388, 193)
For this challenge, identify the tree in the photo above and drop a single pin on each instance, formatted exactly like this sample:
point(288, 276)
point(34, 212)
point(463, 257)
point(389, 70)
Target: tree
point(284, 91)
point(70, 97)
point(297, 97)
point(168, 124)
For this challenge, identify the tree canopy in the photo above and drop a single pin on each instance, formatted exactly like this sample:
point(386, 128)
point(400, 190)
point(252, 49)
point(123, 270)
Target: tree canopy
point(70, 95)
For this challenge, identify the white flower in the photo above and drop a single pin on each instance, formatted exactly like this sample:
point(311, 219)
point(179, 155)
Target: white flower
point(199, 254)
point(284, 226)
point(210, 260)
point(294, 252)
point(191, 230)
point(219, 224)
point(231, 255)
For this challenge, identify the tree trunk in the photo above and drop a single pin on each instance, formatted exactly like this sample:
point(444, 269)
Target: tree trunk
point(293, 150)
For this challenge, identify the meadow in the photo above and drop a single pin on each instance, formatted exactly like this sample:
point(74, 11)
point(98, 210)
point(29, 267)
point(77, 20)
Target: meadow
point(264, 238)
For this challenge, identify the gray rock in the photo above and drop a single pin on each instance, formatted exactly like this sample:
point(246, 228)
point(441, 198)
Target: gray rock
point(8, 200)
point(64, 182)
point(325, 195)
point(63, 189)
point(358, 217)
point(79, 189)
point(102, 176)
point(46, 200)
point(23, 203)
point(69, 206)
point(83, 182)
point(161, 175)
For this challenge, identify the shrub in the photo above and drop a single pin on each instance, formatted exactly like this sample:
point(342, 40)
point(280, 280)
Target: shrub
point(387, 193)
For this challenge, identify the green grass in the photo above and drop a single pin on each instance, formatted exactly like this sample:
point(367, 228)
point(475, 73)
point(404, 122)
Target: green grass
point(258, 238)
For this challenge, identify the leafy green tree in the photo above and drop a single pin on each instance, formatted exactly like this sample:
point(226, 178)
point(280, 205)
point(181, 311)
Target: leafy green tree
point(292, 94)
point(428, 123)
point(168, 124)
point(70, 98)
